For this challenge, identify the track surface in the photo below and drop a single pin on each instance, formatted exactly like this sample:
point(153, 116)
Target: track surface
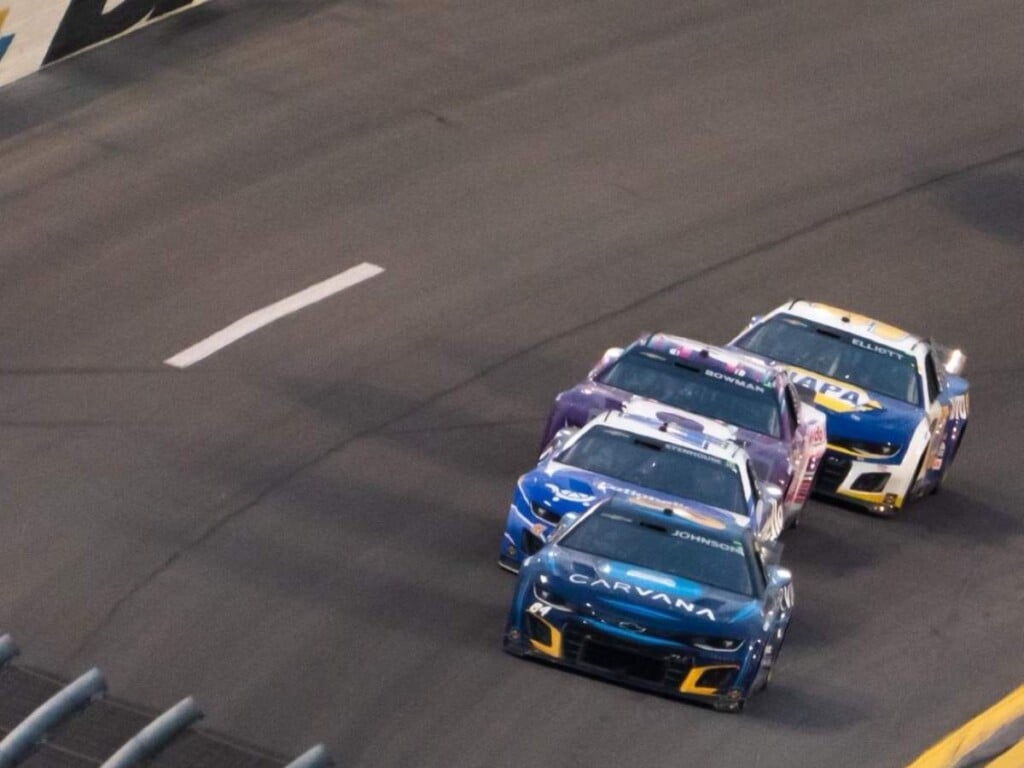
point(302, 530)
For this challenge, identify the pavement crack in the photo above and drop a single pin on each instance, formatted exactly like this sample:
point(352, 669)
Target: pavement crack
point(459, 427)
point(439, 118)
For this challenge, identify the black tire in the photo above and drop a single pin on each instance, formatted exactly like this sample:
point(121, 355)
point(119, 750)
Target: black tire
point(949, 462)
point(914, 490)
point(761, 683)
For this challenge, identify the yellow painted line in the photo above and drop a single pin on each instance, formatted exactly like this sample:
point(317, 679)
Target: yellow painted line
point(1012, 758)
point(969, 737)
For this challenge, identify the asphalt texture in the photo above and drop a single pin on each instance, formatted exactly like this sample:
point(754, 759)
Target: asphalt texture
point(302, 530)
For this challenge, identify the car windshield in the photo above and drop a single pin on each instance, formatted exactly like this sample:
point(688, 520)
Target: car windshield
point(666, 547)
point(688, 386)
point(836, 354)
point(659, 466)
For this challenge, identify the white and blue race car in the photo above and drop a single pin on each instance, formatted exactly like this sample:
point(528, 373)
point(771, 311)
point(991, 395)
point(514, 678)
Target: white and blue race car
point(649, 452)
point(896, 403)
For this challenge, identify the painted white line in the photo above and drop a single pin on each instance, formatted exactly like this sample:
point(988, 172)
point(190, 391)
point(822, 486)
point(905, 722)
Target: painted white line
point(277, 310)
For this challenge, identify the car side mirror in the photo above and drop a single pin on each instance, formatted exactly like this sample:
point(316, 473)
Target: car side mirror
point(559, 440)
point(756, 319)
point(611, 355)
point(779, 578)
point(953, 361)
point(773, 492)
point(771, 553)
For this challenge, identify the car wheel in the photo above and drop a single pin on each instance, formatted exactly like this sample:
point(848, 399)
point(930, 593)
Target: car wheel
point(948, 463)
point(914, 489)
point(767, 669)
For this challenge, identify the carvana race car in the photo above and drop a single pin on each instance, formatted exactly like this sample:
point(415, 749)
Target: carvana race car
point(648, 451)
point(668, 599)
point(896, 404)
point(784, 437)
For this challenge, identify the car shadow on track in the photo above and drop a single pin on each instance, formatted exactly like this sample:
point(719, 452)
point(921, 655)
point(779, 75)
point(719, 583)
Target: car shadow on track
point(990, 200)
point(951, 513)
point(799, 709)
point(830, 545)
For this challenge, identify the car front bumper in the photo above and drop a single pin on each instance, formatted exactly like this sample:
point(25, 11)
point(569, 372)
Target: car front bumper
point(583, 645)
point(879, 487)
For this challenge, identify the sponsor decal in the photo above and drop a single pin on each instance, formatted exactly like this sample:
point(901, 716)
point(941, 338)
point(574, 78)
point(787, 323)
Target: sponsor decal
point(5, 40)
point(651, 594)
point(881, 330)
point(878, 349)
point(88, 22)
point(737, 381)
point(701, 456)
point(573, 496)
point(539, 609)
point(833, 395)
point(959, 407)
point(653, 502)
point(734, 547)
point(631, 627)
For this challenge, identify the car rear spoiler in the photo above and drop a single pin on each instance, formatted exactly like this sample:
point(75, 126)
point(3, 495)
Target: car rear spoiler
point(952, 360)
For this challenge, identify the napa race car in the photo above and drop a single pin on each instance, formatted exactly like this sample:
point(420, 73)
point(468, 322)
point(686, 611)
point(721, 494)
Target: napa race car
point(671, 599)
point(784, 437)
point(648, 451)
point(896, 404)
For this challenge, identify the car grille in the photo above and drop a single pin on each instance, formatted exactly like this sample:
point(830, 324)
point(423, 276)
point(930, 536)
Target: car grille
point(545, 514)
point(833, 471)
point(590, 648)
point(531, 542)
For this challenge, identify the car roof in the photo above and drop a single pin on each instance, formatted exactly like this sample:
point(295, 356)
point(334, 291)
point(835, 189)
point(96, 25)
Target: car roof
point(852, 322)
point(682, 516)
point(731, 361)
point(649, 418)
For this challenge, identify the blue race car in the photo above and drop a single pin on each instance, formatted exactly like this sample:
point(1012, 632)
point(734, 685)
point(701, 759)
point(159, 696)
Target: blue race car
point(896, 404)
point(667, 599)
point(648, 451)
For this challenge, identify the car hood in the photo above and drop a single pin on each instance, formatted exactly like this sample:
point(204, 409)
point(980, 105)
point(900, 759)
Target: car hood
point(858, 414)
point(612, 592)
point(565, 489)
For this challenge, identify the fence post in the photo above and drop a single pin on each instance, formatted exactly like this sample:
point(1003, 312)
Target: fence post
point(8, 650)
point(156, 735)
point(75, 695)
point(317, 757)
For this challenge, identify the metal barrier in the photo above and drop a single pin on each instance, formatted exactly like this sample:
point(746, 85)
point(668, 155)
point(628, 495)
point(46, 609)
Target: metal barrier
point(8, 650)
point(143, 748)
point(156, 735)
point(72, 697)
point(317, 757)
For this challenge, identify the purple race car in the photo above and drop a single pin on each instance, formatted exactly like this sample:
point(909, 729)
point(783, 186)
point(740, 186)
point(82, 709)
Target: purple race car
point(784, 437)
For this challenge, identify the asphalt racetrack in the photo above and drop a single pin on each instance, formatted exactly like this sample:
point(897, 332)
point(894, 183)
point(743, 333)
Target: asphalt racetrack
point(302, 529)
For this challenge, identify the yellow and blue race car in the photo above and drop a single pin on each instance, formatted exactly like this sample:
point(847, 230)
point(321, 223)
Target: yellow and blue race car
point(896, 403)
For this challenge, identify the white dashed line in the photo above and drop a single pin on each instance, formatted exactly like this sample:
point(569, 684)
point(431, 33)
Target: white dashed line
point(277, 310)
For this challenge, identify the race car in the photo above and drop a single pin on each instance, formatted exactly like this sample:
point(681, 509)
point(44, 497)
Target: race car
point(896, 404)
point(670, 599)
point(647, 451)
point(784, 437)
